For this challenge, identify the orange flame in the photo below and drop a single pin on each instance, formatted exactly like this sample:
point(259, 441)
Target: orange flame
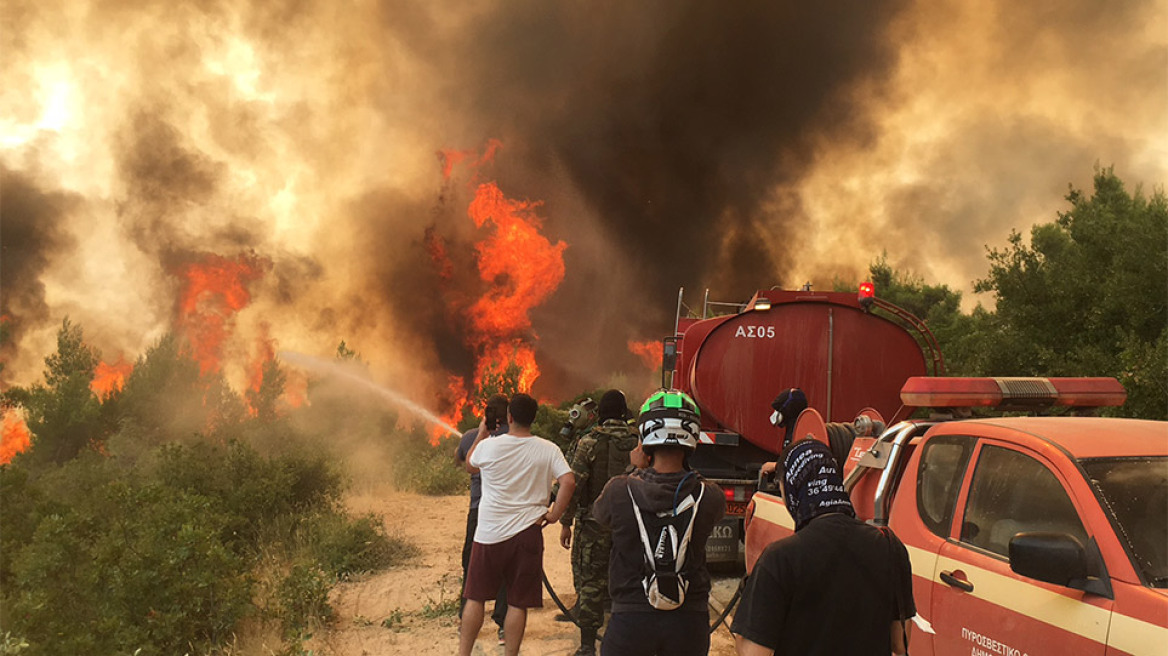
point(14, 436)
point(520, 268)
point(214, 290)
point(295, 382)
point(451, 158)
point(266, 352)
point(649, 351)
point(108, 377)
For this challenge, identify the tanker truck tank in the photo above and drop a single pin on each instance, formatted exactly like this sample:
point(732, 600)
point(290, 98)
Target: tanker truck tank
point(848, 352)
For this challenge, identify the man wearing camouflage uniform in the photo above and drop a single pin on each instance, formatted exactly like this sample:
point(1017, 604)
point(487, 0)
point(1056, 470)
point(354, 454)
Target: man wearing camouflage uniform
point(600, 455)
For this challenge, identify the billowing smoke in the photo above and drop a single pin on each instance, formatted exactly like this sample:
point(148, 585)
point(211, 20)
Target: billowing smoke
point(671, 143)
point(33, 233)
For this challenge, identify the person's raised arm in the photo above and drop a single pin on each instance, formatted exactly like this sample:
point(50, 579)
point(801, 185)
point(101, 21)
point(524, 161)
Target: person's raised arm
point(482, 435)
point(563, 497)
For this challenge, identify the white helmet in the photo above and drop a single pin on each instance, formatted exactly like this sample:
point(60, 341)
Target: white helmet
point(669, 418)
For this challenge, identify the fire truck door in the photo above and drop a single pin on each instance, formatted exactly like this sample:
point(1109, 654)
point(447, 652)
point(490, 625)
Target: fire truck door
point(979, 605)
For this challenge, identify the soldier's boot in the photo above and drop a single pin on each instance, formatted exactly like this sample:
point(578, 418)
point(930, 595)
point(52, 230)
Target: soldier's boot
point(587, 643)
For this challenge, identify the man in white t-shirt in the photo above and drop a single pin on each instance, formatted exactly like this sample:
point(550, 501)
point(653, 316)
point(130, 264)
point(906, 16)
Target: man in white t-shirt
point(517, 471)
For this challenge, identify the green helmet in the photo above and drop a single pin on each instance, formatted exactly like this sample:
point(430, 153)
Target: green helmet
point(669, 418)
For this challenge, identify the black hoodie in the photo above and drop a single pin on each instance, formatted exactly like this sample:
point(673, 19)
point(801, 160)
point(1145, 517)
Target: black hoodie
point(655, 492)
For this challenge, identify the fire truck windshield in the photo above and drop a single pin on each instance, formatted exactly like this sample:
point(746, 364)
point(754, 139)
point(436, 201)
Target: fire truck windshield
point(1136, 492)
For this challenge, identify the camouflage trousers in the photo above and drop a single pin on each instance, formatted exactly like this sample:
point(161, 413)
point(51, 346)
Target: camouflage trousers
point(590, 551)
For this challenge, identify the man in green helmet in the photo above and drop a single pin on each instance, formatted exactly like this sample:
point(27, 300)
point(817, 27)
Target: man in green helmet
point(660, 517)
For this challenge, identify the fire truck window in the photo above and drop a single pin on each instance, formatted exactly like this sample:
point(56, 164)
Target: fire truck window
point(939, 480)
point(1135, 490)
point(1012, 493)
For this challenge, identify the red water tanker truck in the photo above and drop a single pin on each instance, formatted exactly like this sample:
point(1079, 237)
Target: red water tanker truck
point(847, 351)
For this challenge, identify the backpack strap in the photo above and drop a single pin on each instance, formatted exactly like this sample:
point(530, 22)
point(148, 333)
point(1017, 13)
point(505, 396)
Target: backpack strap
point(645, 542)
point(689, 529)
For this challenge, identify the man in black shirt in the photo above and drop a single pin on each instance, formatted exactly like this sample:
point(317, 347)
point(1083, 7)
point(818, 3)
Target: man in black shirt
point(661, 516)
point(838, 586)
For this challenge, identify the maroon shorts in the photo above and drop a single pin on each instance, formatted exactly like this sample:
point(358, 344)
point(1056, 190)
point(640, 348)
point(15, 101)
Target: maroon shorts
point(516, 562)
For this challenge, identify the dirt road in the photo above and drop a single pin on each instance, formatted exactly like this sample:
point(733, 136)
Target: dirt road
point(411, 609)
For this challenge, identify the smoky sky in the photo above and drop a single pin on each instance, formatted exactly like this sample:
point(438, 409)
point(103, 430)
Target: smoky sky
point(676, 120)
point(672, 143)
point(31, 235)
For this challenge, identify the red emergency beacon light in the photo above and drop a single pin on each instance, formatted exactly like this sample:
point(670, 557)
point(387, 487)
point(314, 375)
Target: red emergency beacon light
point(932, 392)
point(866, 295)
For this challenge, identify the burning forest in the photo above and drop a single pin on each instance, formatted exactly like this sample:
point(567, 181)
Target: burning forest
point(457, 190)
point(250, 252)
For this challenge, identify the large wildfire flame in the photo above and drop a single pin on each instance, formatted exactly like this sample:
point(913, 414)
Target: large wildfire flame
point(214, 289)
point(522, 268)
point(519, 268)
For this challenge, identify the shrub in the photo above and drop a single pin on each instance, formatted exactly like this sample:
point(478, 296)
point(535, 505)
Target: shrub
point(22, 506)
point(420, 467)
point(146, 570)
point(302, 600)
point(344, 546)
point(251, 491)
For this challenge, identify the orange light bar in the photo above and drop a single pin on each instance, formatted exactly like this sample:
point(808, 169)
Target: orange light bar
point(931, 392)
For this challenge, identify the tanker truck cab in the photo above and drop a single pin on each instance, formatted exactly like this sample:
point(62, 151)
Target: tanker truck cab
point(1027, 534)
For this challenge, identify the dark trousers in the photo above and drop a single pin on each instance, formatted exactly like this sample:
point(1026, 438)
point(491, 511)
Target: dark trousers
point(657, 633)
point(500, 611)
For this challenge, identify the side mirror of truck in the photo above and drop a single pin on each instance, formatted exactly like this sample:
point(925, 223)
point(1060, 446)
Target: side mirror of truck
point(1058, 558)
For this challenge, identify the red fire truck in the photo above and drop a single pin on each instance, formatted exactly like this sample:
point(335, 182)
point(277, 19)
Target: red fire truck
point(1027, 534)
point(846, 350)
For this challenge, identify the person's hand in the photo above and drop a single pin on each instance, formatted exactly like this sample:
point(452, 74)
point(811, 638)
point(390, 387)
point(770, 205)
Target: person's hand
point(565, 536)
point(768, 468)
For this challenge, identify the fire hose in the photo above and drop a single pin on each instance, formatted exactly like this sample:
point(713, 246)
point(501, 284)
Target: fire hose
point(713, 627)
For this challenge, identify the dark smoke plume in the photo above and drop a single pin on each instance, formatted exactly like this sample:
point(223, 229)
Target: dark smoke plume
point(673, 122)
point(729, 146)
point(31, 236)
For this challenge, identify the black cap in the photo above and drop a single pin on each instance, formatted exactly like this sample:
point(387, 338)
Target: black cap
point(790, 402)
point(613, 405)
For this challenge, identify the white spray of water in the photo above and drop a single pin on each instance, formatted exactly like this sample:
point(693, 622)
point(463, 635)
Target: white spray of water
point(349, 374)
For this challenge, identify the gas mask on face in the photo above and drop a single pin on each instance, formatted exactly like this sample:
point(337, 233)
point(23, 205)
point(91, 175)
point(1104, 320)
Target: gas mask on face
point(580, 416)
point(776, 418)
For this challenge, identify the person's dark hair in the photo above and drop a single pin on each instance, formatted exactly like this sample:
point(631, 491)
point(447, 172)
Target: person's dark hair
point(523, 409)
point(496, 411)
point(613, 406)
point(651, 451)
